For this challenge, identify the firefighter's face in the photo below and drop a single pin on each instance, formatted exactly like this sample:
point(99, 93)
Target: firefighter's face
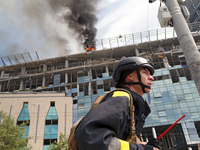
point(146, 79)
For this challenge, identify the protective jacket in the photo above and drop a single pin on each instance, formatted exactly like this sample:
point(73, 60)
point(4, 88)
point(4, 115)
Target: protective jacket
point(106, 126)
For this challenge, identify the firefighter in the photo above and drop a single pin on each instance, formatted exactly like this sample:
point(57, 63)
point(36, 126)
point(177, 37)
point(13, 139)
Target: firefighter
point(106, 127)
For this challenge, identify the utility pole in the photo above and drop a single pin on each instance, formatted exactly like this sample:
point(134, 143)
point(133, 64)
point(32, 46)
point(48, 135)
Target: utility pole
point(186, 40)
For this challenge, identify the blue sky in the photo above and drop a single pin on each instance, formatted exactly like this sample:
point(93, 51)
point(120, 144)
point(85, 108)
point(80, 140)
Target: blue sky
point(29, 26)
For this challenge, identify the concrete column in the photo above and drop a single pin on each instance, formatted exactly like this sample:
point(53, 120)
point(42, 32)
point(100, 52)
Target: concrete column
point(137, 52)
point(0, 87)
point(66, 64)
point(2, 73)
point(166, 63)
point(23, 70)
point(44, 67)
point(90, 73)
point(89, 89)
point(21, 87)
point(66, 77)
point(43, 81)
point(107, 71)
point(89, 85)
point(92, 92)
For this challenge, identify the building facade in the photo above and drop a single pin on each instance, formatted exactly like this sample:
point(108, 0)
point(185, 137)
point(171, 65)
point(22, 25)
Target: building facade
point(48, 115)
point(194, 9)
point(85, 76)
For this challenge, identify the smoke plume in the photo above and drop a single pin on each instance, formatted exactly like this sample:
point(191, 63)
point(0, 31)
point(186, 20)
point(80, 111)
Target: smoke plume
point(52, 28)
point(80, 16)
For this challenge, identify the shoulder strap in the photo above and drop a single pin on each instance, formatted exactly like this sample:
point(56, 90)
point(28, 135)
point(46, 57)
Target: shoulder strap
point(97, 101)
point(132, 138)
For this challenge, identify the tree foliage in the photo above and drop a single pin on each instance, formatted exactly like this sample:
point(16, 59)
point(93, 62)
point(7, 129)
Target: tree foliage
point(61, 145)
point(11, 134)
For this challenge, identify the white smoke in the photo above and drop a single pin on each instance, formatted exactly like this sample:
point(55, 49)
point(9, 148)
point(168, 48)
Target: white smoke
point(29, 26)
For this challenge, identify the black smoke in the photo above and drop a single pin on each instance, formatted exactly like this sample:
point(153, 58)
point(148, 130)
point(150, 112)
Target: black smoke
point(80, 17)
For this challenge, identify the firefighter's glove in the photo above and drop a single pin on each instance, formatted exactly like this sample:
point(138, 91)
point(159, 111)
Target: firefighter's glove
point(155, 143)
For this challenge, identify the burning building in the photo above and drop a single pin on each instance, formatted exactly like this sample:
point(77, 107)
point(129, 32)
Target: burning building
point(57, 92)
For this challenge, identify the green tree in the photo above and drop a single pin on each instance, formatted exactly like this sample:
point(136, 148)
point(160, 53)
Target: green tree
point(61, 145)
point(11, 134)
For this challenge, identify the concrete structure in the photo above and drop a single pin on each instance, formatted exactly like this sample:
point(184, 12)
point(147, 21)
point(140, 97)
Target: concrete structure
point(38, 109)
point(85, 76)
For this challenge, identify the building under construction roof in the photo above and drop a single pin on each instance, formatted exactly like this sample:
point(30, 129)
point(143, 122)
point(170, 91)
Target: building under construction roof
point(85, 76)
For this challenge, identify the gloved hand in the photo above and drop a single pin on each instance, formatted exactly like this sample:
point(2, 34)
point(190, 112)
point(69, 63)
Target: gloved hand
point(156, 143)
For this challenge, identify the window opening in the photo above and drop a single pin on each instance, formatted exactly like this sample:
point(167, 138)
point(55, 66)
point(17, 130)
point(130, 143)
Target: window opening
point(51, 126)
point(24, 118)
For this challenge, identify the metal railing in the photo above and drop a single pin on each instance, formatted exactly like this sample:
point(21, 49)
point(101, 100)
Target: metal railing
point(15, 59)
point(141, 37)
